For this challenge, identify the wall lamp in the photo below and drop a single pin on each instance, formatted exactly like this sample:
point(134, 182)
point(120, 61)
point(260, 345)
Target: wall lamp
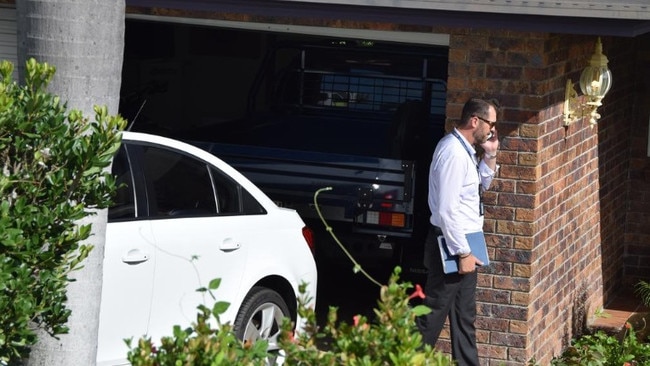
point(595, 81)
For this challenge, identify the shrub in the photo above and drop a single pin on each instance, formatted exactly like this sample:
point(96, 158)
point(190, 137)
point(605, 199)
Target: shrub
point(53, 171)
point(603, 349)
point(391, 339)
point(200, 344)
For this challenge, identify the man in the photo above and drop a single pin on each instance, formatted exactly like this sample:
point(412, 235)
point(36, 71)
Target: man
point(457, 177)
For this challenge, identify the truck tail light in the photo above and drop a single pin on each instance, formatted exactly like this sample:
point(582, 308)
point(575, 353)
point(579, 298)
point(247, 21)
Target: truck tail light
point(384, 218)
point(308, 234)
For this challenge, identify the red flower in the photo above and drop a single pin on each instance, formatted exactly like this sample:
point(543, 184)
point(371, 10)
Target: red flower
point(355, 320)
point(628, 325)
point(417, 293)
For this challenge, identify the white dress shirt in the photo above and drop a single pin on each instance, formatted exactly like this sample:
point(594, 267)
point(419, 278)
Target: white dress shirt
point(454, 190)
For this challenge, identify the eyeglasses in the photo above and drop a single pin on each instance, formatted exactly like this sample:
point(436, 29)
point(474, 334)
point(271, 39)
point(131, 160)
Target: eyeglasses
point(491, 123)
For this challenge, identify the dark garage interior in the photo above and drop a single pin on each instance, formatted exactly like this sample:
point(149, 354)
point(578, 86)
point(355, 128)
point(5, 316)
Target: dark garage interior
point(188, 77)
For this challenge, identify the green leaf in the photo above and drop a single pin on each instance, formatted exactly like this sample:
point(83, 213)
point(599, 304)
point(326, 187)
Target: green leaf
point(420, 310)
point(220, 307)
point(214, 284)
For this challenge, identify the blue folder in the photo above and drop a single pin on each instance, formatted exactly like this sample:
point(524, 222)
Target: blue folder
point(476, 244)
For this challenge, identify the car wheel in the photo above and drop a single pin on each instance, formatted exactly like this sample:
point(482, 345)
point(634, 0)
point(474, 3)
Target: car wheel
point(260, 317)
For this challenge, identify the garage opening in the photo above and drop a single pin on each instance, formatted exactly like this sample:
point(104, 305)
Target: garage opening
point(362, 115)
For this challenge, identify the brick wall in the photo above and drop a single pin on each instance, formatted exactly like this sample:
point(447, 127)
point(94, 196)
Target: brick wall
point(546, 216)
point(505, 66)
point(566, 279)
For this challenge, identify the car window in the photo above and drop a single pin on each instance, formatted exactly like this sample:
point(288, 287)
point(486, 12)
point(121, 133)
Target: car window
point(177, 185)
point(232, 198)
point(250, 204)
point(227, 194)
point(123, 207)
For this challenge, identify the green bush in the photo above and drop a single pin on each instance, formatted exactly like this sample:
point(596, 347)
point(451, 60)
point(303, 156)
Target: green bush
point(201, 344)
point(603, 349)
point(53, 172)
point(391, 339)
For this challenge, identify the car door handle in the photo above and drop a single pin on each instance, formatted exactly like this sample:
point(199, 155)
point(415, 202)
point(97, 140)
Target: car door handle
point(229, 245)
point(135, 256)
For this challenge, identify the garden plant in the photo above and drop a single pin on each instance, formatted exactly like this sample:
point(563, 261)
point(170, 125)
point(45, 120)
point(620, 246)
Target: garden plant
point(629, 348)
point(390, 339)
point(604, 349)
point(54, 174)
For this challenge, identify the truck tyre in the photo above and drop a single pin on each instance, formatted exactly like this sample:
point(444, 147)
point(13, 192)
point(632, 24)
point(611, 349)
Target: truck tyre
point(260, 317)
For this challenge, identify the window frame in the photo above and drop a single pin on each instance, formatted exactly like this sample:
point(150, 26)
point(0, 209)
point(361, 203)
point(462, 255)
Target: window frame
point(144, 203)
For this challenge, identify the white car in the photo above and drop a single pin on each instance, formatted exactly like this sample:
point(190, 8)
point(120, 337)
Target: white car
point(182, 218)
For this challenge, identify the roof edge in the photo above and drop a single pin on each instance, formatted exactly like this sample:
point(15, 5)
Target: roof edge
point(619, 9)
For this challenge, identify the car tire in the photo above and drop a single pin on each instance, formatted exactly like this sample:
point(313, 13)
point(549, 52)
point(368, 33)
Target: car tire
point(260, 317)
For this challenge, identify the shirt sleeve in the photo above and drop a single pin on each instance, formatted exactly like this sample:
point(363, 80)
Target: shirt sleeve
point(486, 174)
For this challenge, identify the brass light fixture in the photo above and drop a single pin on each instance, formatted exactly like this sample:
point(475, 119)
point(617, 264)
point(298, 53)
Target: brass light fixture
point(595, 81)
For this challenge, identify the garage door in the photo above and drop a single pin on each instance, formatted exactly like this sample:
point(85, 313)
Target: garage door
point(434, 39)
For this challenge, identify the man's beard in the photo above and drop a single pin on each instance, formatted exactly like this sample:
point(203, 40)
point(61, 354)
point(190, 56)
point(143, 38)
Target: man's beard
point(481, 138)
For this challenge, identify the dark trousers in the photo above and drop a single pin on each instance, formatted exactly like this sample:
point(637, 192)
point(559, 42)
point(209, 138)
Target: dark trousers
point(453, 296)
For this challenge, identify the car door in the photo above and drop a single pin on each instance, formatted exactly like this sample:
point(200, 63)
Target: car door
point(129, 264)
point(200, 235)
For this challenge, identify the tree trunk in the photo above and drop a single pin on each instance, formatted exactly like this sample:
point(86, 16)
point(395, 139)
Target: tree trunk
point(84, 40)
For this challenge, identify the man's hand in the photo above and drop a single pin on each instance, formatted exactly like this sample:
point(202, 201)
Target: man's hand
point(468, 264)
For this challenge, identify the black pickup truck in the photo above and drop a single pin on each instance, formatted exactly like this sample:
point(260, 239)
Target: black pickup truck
point(360, 117)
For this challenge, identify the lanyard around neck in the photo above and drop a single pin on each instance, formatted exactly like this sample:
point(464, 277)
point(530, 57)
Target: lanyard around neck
point(471, 156)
